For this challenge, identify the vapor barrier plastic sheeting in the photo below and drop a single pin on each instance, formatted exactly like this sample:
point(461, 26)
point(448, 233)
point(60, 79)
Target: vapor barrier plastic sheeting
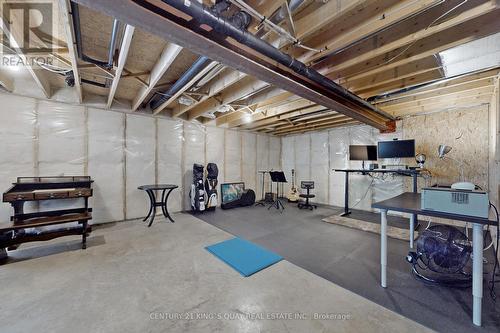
point(274, 153)
point(263, 160)
point(194, 152)
point(320, 165)
point(61, 145)
point(339, 144)
point(120, 152)
point(17, 134)
point(360, 186)
point(233, 156)
point(215, 150)
point(303, 157)
point(140, 158)
point(106, 164)
point(288, 159)
point(169, 171)
point(248, 164)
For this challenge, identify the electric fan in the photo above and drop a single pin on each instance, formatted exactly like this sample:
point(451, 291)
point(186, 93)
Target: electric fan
point(444, 250)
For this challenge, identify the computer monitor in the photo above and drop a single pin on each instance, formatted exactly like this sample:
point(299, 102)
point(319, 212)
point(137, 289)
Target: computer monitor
point(396, 149)
point(362, 153)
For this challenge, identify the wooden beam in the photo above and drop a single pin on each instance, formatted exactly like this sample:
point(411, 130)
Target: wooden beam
point(284, 116)
point(316, 120)
point(405, 71)
point(316, 127)
point(441, 85)
point(324, 15)
point(440, 93)
point(432, 75)
point(458, 102)
point(242, 88)
point(224, 80)
point(360, 29)
point(6, 82)
point(122, 59)
point(15, 38)
point(188, 85)
point(297, 104)
point(67, 21)
point(448, 98)
point(168, 55)
point(353, 65)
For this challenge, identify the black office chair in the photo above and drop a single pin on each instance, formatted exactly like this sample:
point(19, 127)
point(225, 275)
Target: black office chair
point(308, 186)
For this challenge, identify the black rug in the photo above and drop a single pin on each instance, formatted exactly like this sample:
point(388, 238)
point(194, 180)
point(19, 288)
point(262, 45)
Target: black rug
point(350, 258)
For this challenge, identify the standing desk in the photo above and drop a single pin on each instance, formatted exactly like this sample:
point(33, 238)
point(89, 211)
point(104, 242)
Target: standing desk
point(411, 203)
point(403, 172)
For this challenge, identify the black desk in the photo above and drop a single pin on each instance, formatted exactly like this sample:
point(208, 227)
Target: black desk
point(151, 191)
point(404, 172)
point(411, 203)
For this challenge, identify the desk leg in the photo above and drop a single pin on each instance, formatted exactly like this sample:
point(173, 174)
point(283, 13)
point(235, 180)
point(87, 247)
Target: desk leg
point(346, 196)
point(383, 248)
point(412, 230)
point(477, 272)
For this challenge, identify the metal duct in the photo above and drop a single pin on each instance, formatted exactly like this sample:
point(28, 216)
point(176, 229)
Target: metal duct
point(204, 15)
point(198, 65)
point(281, 14)
point(79, 43)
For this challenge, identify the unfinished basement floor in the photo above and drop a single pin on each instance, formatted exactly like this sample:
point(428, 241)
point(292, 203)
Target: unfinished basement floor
point(132, 279)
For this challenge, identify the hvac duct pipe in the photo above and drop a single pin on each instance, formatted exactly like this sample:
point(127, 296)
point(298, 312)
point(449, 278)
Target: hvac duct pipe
point(75, 11)
point(198, 65)
point(203, 15)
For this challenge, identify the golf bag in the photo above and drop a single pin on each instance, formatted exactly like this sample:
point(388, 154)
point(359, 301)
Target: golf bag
point(197, 193)
point(211, 186)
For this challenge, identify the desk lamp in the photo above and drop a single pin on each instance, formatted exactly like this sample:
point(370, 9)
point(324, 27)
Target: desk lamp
point(462, 185)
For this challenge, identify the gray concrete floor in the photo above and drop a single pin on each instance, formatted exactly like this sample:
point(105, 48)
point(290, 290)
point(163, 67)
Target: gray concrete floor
point(135, 279)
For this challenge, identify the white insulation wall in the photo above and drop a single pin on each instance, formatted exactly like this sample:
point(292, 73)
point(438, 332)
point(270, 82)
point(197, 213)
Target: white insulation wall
point(314, 155)
point(120, 152)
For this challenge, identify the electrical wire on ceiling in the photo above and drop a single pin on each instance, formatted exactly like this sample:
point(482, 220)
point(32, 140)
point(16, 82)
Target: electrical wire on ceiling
point(428, 27)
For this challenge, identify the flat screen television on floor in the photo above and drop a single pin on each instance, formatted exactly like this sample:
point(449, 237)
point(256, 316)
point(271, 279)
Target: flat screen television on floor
point(231, 191)
point(362, 153)
point(396, 149)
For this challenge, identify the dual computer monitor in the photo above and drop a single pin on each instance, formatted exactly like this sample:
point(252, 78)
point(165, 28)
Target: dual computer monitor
point(384, 149)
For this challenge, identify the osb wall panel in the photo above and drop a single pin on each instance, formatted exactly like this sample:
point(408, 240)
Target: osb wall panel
point(465, 130)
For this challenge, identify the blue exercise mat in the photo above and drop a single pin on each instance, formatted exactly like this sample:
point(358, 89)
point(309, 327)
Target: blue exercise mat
point(244, 256)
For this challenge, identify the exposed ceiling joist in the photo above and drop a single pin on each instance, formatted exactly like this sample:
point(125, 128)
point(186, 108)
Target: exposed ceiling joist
point(316, 127)
point(188, 85)
point(221, 82)
point(472, 29)
point(15, 37)
point(243, 87)
point(389, 16)
point(122, 59)
point(168, 55)
point(461, 82)
point(67, 21)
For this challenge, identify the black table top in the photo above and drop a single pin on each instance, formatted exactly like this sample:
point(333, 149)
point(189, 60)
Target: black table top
point(410, 202)
point(157, 187)
point(400, 171)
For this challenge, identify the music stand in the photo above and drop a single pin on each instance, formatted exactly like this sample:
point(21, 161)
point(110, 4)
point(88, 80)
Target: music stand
point(277, 177)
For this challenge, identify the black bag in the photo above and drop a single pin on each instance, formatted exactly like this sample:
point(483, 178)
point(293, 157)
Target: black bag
point(197, 193)
point(211, 186)
point(247, 198)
